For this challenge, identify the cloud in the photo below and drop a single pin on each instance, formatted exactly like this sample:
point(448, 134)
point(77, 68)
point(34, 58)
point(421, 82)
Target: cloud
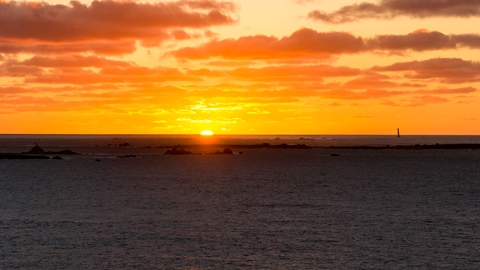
point(293, 73)
point(375, 82)
point(427, 99)
point(426, 95)
point(36, 67)
point(344, 94)
point(27, 89)
point(449, 91)
point(111, 74)
point(449, 70)
point(107, 20)
point(471, 41)
point(72, 61)
point(304, 2)
point(300, 44)
point(389, 9)
point(423, 40)
point(308, 43)
point(98, 47)
point(9, 70)
point(204, 72)
point(420, 40)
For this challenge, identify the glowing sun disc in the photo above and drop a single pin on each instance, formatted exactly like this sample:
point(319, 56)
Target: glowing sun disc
point(206, 133)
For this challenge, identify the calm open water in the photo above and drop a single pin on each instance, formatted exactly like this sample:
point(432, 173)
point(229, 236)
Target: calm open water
point(265, 209)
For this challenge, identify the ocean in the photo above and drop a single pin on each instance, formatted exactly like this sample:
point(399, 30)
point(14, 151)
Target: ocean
point(132, 207)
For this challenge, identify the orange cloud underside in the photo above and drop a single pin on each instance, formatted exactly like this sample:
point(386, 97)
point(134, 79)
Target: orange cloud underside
point(135, 67)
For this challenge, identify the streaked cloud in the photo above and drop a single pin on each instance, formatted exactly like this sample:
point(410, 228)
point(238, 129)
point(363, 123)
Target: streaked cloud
point(302, 43)
point(448, 70)
point(390, 9)
point(308, 43)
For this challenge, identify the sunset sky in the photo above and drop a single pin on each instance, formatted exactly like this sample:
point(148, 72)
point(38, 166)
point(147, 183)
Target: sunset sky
point(240, 67)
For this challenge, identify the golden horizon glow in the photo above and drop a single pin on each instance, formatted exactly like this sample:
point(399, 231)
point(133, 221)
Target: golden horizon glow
point(312, 67)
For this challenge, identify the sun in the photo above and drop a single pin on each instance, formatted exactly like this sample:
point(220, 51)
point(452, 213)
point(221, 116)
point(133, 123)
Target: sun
point(206, 133)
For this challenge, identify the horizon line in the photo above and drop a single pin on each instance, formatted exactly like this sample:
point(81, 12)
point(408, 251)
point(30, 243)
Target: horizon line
point(237, 134)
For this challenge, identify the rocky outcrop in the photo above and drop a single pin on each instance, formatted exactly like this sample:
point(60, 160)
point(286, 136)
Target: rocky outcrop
point(127, 156)
point(37, 150)
point(226, 151)
point(180, 151)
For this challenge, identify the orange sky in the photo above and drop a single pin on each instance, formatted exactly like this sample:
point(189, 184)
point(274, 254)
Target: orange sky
point(240, 67)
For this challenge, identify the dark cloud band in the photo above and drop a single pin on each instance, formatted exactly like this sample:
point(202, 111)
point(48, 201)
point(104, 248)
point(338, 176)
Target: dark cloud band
point(388, 9)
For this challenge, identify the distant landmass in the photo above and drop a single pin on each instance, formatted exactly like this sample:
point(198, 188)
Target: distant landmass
point(304, 146)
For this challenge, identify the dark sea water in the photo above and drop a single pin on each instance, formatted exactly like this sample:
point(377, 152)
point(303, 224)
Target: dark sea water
point(265, 209)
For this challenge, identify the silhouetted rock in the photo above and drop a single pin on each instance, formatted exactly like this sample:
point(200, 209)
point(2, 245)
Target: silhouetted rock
point(226, 151)
point(291, 146)
point(57, 157)
point(65, 152)
point(180, 151)
point(36, 150)
point(124, 145)
point(127, 156)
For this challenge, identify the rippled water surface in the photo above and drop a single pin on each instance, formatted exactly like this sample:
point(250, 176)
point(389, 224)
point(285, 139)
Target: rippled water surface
point(265, 209)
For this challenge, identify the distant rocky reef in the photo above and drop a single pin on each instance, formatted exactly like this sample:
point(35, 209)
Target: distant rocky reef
point(244, 146)
point(37, 153)
point(226, 151)
point(37, 150)
point(180, 151)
